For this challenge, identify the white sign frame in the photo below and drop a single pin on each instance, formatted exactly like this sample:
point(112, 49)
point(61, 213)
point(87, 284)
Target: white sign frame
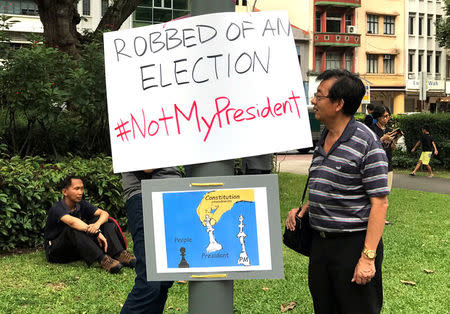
point(268, 233)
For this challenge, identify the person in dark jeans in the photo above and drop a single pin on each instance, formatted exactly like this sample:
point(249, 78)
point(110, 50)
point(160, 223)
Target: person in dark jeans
point(146, 296)
point(75, 229)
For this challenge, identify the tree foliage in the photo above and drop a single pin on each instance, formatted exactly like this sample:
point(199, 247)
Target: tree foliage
point(39, 98)
point(59, 106)
point(87, 102)
point(443, 28)
point(5, 39)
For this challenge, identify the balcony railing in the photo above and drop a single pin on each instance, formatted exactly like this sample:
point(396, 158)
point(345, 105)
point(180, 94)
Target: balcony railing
point(337, 39)
point(339, 3)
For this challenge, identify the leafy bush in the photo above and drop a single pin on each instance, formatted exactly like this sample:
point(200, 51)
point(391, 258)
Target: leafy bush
point(3, 149)
point(60, 107)
point(39, 100)
point(404, 160)
point(359, 117)
point(30, 186)
point(411, 125)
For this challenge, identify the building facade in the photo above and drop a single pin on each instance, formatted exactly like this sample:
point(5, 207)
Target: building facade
point(324, 31)
point(381, 55)
point(26, 15)
point(390, 43)
point(426, 62)
point(300, 19)
point(336, 37)
point(158, 11)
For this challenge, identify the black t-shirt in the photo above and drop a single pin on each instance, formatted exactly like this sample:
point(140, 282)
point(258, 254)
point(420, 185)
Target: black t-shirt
point(54, 226)
point(387, 147)
point(427, 142)
point(368, 120)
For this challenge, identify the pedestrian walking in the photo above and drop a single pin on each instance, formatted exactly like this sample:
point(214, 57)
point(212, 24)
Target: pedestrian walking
point(428, 147)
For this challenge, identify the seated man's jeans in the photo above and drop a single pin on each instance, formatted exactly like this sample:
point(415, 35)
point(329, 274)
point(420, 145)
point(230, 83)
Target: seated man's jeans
point(146, 296)
point(72, 245)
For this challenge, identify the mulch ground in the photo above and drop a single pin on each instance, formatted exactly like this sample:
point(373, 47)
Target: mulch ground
point(20, 251)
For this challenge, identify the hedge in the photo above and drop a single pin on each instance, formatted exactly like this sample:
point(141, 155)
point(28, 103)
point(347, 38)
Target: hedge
point(411, 125)
point(30, 186)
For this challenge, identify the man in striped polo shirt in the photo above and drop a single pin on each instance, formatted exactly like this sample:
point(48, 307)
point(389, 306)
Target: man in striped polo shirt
point(347, 202)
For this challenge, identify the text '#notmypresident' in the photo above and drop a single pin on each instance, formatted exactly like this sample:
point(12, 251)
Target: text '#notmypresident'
point(140, 125)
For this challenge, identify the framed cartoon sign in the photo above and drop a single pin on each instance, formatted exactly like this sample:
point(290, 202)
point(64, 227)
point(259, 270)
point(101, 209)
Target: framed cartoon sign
point(212, 228)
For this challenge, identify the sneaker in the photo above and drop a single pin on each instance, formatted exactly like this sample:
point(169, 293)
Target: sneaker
point(127, 259)
point(110, 265)
point(412, 174)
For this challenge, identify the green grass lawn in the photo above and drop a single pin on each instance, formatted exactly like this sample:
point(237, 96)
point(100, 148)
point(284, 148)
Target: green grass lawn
point(417, 240)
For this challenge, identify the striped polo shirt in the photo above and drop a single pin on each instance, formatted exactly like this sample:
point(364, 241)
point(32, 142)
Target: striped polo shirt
point(342, 181)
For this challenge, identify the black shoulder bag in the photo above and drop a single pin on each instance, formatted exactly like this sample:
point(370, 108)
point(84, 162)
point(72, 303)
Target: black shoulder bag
point(300, 239)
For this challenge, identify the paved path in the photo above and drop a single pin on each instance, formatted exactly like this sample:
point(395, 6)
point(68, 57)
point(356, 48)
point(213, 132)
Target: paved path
point(299, 164)
point(422, 183)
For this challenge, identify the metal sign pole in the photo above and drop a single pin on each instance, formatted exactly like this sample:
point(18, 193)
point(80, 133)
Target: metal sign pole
point(422, 89)
point(211, 296)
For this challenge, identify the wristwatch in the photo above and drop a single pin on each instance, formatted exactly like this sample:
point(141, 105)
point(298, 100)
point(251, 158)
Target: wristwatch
point(370, 254)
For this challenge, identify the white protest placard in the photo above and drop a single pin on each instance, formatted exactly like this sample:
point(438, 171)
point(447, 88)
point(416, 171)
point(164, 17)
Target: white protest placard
point(205, 88)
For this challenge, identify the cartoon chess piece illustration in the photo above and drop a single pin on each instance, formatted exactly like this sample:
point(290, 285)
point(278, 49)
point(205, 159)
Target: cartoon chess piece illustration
point(183, 263)
point(215, 209)
point(213, 245)
point(243, 257)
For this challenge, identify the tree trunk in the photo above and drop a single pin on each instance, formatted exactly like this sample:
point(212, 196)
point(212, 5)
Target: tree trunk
point(49, 138)
point(60, 18)
point(12, 130)
point(117, 14)
point(25, 145)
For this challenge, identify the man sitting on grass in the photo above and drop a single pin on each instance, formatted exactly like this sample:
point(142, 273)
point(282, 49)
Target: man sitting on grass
point(76, 229)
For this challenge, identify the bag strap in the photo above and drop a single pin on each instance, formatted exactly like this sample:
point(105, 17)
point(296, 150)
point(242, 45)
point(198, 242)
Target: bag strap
point(303, 196)
point(123, 239)
point(304, 192)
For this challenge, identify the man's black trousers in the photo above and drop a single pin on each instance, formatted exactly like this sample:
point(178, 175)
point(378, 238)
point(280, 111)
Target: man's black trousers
point(331, 266)
point(72, 245)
